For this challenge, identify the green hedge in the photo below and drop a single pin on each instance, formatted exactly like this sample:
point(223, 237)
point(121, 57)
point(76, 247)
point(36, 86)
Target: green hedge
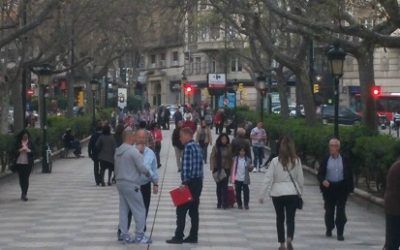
point(81, 127)
point(370, 154)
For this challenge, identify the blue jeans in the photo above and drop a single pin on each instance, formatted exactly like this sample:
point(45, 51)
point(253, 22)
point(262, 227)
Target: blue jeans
point(258, 155)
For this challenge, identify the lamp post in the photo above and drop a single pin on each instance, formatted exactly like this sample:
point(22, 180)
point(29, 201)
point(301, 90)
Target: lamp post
point(336, 56)
point(261, 86)
point(94, 84)
point(235, 88)
point(183, 83)
point(44, 73)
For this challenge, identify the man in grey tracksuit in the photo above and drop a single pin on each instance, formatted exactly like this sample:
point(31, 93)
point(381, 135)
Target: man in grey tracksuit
point(129, 167)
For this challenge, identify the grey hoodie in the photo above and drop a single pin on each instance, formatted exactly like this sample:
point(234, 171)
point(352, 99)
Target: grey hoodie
point(129, 165)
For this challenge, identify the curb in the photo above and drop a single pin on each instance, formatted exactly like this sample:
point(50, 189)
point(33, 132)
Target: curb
point(358, 192)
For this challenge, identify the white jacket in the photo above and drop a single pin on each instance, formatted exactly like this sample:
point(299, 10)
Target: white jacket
point(277, 181)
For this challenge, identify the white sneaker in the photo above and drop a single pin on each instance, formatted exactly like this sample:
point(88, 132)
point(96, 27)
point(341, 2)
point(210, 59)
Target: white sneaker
point(255, 170)
point(143, 240)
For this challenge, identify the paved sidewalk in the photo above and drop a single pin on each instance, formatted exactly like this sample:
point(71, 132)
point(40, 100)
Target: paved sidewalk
point(67, 211)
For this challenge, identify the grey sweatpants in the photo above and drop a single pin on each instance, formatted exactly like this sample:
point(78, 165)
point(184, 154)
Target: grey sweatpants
point(130, 198)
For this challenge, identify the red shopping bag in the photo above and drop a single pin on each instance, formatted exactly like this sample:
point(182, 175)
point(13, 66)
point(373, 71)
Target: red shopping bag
point(231, 196)
point(181, 196)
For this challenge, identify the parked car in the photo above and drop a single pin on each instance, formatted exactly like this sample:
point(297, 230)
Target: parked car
point(345, 116)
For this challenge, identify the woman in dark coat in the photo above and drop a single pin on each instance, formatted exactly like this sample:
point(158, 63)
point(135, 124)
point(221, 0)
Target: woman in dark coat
point(105, 146)
point(23, 160)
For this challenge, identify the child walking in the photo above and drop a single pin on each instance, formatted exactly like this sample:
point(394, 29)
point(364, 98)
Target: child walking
point(241, 178)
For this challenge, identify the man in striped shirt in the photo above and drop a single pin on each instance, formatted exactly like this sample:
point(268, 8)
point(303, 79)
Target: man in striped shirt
point(192, 176)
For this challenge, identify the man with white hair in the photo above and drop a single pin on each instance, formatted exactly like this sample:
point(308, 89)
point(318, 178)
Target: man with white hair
point(189, 123)
point(336, 179)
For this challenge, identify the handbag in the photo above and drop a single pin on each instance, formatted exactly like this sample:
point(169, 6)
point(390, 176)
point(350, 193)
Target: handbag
point(181, 196)
point(219, 175)
point(299, 204)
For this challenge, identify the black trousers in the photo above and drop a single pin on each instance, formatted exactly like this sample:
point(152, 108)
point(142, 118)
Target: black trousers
point(146, 193)
point(392, 232)
point(106, 165)
point(24, 171)
point(204, 148)
point(285, 205)
point(96, 171)
point(157, 151)
point(219, 128)
point(195, 186)
point(239, 186)
point(222, 192)
point(335, 198)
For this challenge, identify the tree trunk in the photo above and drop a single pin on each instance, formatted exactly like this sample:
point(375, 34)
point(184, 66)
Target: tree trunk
point(303, 82)
point(283, 99)
point(4, 104)
point(16, 90)
point(365, 61)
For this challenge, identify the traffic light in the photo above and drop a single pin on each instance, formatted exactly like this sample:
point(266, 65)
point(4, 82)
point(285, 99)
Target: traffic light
point(376, 91)
point(189, 89)
point(30, 92)
point(315, 88)
point(81, 99)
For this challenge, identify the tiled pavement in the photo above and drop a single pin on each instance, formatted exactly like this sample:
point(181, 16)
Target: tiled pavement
point(67, 211)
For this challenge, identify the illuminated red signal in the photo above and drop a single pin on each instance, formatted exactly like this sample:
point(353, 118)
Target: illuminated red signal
point(30, 92)
point(376, 91)
point(189, 89)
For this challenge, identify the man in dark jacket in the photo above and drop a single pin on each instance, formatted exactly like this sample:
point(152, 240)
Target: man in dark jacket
point(178, 116)
point(241, 141)
point(93, 154)
point(336, 180)
point(392, 207)
point(178, 146)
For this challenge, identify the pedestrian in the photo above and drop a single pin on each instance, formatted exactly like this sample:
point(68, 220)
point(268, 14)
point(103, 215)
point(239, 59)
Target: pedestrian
point(241, 178)
point(23, 157)
point(219, 121)
point(392, 207)
point(283, 180)
point(93, 153)
point(177, 116)
point(157, 135)
point(203, 138)
point(70, 142)
point(118, 134)
point(105, 146)
point(274, 152)
point(192, 176)
point(150, 139)
point(188, 123)
point(167, 116)
point(129, 166)
point(178, 146)
point(241, 141)
point(220, 165)
point(258, 139)
point(336, 183)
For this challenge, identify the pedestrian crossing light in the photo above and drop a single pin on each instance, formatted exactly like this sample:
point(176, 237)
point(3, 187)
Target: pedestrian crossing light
point(189, 89)
point(81, 98)
point(376, 91)
point(315, 88)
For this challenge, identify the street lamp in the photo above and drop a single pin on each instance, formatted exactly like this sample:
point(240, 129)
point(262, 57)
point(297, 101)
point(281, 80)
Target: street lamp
point(261, 86)
point(183, 84)
point(336, 56)
point(94, 84)
point(44, 73)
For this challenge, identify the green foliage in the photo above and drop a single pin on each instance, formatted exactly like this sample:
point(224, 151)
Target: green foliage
point(134, 103)
point(370, 154)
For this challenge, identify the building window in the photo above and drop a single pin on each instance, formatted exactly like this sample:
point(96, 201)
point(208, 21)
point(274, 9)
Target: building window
point(215, 32)
point(153, 60)
point(162, 60)
point(236, 65)
point(197, 65)
point(213, 66)
point(175, 58)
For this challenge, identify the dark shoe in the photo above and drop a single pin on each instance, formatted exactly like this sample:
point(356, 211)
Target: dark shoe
point(190, 240)
point(119, 236)
point(109, 183)
point(240, 207)
point(218, 206)
point(328, 233)
point(24, 198)
point(246, 207)
point(340, 238)
point(103, 184)
point(289, 245)
point(113, 181)
point(174, 240)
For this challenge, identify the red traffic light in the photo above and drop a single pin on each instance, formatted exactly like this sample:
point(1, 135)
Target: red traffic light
point(30, 92)
point(376, 91)
point(189, 89)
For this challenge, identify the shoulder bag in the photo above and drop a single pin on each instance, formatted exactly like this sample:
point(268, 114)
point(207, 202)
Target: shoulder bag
point(299, 204)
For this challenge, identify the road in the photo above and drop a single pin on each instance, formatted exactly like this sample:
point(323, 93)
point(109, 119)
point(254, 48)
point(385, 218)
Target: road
point(67, 211)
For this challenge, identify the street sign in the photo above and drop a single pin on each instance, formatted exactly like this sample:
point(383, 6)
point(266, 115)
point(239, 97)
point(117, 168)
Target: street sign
point(122, 97)
point(216, 80)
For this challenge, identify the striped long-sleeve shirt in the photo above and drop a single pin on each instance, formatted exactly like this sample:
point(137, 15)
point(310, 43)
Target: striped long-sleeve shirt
point(192, 162)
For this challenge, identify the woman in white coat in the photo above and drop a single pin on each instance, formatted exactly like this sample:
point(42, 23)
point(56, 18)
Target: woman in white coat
point(278, 184)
